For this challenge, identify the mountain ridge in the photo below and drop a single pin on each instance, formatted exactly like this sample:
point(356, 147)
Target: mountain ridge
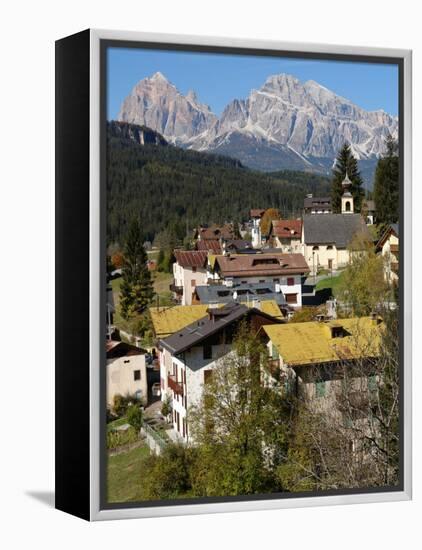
point(284, 124)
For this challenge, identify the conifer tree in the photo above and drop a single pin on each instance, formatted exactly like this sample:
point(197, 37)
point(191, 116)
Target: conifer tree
point(136, 291)
point(346, 162)
point(386, 184)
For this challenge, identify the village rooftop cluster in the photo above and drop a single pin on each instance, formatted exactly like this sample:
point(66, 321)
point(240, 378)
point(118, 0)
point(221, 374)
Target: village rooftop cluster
point(265, 280)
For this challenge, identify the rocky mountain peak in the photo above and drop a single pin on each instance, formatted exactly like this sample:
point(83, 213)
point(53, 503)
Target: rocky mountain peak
point(288, 118)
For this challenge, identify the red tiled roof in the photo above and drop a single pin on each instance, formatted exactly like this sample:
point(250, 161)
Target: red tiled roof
point(191, 258)
point(249, 265)
point(116, 349)
point(209, 244)
point(214, 232)
point(286, 228)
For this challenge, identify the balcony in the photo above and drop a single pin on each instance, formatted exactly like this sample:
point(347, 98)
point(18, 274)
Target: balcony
point(174, 385)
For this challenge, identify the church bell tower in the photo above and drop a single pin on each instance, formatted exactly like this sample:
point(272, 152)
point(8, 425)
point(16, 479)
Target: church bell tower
point(347, 197)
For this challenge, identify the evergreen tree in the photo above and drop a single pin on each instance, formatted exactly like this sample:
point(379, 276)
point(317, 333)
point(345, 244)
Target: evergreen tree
point(346, 162)
point(386, 184)
point(136, 291)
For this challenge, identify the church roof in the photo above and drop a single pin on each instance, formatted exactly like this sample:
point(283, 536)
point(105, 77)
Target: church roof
point(338, 229)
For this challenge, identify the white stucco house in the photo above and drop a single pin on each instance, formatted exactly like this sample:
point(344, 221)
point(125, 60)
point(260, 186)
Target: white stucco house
point(286, 235)
point(388, 246)
point(126, 371)
point(189, 271)
point(188, 357)
point(284, 270)
point(256, 216)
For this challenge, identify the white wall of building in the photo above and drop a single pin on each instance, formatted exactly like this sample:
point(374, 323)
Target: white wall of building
point(121, 377)
point(194, 365)
point(256, 233)
point(319, 256)
point(287, 245)
point(282, 280)
point(188, 278)
point(390, 258)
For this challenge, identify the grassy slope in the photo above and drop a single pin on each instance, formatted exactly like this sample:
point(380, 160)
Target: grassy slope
point(330, 282)
point(124, 476)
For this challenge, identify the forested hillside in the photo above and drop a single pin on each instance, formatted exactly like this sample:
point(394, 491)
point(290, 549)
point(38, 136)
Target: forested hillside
point(175, 189)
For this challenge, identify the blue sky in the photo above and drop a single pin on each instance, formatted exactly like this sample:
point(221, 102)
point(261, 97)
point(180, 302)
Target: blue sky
point(219, 78)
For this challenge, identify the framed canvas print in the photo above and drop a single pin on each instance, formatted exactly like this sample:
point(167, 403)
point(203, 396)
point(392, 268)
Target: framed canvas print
point(233, 275)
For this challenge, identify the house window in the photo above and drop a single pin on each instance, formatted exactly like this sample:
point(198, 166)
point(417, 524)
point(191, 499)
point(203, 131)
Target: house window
point(315, 247)
point(194, 269)
point(276, 280)
point(291, 298)
point(290, 281)
point(207, 352)
point(329, 247)
point(136, 374)
point(320, 389)
point(262, 280)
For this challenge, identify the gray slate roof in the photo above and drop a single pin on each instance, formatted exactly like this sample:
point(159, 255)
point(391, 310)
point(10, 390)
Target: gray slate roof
point(337, 229)
point(221, 294)
point(309, 202)
point(198, 331)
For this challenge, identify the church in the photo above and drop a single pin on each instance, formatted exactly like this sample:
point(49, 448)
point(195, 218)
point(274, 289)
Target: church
point(326, 237)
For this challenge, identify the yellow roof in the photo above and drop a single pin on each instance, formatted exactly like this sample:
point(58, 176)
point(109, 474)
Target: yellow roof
point(168, 320)
point(312, 342)
point(270, 307)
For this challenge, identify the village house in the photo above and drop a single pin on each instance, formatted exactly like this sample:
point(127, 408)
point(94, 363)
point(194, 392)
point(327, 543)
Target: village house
point(388, 246)
point(368, 210)
point(286, 235)
point(189, 270)
point(314, 358)
point(317, 205)
point(256, 216)
point(126, 371)
point(326, 238)
point(188, 357)
point(258, 295)
point(214, 232)
point(285, 270)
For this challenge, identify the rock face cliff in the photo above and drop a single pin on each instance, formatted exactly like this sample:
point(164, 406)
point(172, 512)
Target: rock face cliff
point(133, 132)
point(156, 103)
point(284, 124)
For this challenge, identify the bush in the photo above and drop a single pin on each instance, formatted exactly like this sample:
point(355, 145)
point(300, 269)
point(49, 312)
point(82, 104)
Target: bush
point(168, 475)
point(135, 417)
point(122, 402)
point(166, 407)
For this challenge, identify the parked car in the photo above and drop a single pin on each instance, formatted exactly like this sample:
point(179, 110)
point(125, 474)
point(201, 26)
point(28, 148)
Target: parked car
point(156, 389)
